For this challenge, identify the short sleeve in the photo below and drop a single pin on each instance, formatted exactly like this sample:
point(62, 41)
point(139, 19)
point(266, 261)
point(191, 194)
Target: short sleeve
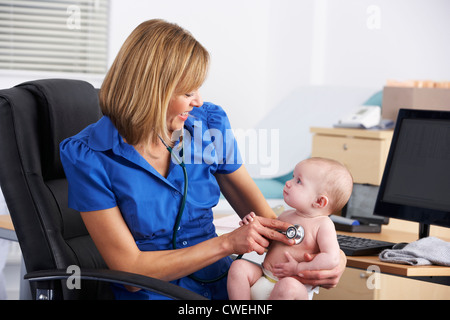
point(229, 157)
point(89, 185)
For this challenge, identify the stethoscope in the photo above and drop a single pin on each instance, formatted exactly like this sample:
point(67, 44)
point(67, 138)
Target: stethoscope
point(182, 205)
point(295, 232)
point(183, 200)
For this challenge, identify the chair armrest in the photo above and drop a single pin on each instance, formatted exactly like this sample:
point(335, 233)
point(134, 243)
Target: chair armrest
point(155, 285)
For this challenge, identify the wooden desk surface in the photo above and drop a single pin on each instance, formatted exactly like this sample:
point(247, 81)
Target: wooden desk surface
point(353, 132)
point(364, 262)
point(5, 222)
point(399, 231)
point(7, 228)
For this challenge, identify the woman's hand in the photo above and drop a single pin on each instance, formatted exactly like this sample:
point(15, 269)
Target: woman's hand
point(255, 235)
point(325, 278)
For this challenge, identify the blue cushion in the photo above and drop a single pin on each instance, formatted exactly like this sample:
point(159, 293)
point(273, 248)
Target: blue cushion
point(270, 188)
point(375, 100)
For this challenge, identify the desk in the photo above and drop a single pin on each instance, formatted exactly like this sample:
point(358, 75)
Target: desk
point(397, 281)
point(400, 231)
point(6, 228)
point(7, 232)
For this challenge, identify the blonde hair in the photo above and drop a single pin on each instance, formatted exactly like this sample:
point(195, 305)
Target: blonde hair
point(337, 182)
point(158, 60)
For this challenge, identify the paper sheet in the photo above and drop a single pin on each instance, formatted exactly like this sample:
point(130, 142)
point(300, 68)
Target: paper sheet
point(226, 223)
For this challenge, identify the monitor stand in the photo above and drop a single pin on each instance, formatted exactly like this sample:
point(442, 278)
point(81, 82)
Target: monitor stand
point(424, 230)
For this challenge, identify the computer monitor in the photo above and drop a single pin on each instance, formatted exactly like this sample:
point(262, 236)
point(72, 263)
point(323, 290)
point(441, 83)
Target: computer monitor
point(361, 204)
point(416, 179)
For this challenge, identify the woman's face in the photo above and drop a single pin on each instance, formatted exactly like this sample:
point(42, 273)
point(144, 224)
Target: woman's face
point(179, 108)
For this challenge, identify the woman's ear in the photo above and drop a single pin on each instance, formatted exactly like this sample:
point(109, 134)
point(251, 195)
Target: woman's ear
point(321, 202)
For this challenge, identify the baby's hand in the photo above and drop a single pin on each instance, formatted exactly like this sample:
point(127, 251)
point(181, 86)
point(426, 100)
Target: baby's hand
point(286, 269)
point(247, 219)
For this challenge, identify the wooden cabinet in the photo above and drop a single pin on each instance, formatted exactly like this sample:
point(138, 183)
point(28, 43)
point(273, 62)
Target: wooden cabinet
point(352, 286)
point(363, 152)
point(357, 284)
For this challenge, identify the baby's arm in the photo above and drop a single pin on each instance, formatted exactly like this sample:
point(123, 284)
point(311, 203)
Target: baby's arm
point(329, 255)
point(327, 259)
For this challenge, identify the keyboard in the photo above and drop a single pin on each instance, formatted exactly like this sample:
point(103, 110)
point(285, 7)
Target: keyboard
point(355, 246)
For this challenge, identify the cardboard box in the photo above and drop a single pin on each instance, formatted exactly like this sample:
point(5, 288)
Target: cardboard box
point(395, 98)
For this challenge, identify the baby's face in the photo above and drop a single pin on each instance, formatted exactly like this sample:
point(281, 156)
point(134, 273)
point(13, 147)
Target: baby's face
point(302, 190)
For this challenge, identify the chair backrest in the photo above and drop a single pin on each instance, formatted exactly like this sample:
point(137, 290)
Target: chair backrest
point(34, 118)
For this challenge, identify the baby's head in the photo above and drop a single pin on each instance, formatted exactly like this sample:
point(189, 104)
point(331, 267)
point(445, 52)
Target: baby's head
point(321, 184)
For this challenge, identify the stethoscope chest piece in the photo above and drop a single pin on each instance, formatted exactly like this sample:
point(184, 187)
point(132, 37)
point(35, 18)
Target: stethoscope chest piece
point(295, 232)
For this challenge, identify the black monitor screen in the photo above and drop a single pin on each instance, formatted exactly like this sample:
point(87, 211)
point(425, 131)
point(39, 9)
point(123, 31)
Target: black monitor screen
point(416, 180)
point(420, 170)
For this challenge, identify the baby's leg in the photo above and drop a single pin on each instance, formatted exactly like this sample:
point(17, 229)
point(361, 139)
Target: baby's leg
point(241, 276)
point(289, 289)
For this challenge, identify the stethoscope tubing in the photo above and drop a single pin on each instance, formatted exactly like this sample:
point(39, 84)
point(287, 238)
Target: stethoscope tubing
point(181, 210)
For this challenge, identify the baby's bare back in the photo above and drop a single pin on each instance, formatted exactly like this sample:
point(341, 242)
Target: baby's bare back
point(277, 250)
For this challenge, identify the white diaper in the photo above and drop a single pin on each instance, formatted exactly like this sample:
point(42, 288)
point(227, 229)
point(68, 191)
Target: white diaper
point(262, 288)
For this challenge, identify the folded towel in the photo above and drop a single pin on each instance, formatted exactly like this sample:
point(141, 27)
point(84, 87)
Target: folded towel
point(425, 251)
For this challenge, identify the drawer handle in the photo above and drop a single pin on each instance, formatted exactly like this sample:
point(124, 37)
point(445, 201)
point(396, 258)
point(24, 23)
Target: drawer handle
point(345, 147)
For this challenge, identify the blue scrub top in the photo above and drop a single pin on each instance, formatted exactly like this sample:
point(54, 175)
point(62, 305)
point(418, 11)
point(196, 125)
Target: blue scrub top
point(103, 172)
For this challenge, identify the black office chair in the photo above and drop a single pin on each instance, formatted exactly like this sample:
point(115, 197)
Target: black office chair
point(34, 118)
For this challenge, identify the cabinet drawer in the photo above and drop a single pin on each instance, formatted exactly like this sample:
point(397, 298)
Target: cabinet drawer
point(365, 157)
point(351, 286)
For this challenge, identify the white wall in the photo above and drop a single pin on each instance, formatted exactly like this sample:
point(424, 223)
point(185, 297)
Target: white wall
point(412, 41)
point(235, 32)
point(291, 64)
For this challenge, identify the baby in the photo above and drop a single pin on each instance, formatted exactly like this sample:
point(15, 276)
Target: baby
point(319, 187)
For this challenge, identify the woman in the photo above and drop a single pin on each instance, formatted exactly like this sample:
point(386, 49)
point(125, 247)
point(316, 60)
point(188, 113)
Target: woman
point(127, 188)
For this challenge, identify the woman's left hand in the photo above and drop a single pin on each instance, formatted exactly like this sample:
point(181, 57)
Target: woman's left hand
point(324, 278)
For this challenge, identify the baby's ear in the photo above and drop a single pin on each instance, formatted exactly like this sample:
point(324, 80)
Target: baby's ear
point(321, 202)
